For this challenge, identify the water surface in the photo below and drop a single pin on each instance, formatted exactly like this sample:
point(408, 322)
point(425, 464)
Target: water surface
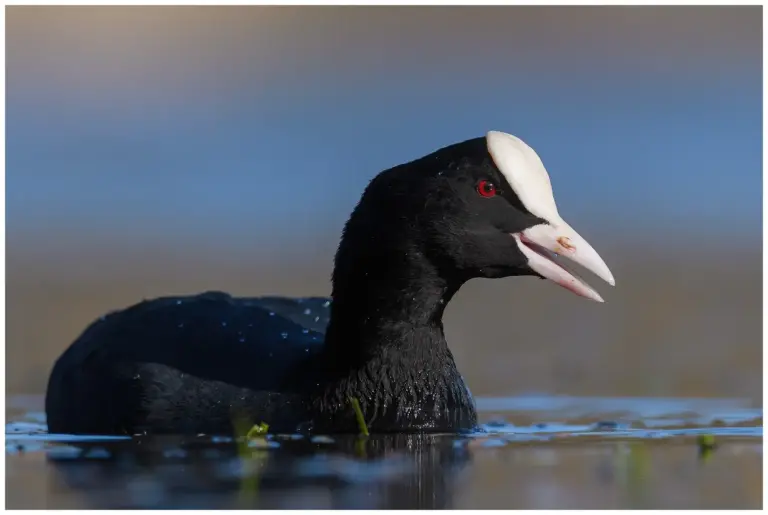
point(536, 452)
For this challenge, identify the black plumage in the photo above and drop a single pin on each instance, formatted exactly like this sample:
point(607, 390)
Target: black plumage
point(196, 364)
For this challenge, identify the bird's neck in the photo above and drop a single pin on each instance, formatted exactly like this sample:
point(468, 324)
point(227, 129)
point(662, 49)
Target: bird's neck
point(388, 308)
point(384, 343)
point(385, 346)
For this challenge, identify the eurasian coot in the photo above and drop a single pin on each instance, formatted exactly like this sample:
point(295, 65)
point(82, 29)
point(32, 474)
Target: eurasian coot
point(199, 364)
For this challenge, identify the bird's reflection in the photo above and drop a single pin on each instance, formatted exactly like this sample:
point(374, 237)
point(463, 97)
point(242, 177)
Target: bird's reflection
point(398, 471)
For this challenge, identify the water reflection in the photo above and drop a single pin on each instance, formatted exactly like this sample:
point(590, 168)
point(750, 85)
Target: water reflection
point(383, 472)
point(537, 452)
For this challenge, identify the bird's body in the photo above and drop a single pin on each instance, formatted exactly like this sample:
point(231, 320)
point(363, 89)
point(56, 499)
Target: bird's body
point(210, 362)
point(181, 364)
point(206, 363)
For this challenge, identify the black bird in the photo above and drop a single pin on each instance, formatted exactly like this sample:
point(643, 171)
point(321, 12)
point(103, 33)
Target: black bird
point(199, 364)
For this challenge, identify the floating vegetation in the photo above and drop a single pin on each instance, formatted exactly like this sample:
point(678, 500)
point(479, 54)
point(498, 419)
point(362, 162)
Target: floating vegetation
point(257, 430)
point(359, 415)
point(707, 445)
point(251, 445)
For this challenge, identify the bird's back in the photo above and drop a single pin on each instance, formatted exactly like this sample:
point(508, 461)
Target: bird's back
point(200, 361)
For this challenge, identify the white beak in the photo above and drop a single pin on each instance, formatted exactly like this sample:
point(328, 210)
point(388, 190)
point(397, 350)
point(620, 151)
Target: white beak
point(540, 242)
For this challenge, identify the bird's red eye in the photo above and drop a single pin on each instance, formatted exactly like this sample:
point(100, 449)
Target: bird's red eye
point(486, 189)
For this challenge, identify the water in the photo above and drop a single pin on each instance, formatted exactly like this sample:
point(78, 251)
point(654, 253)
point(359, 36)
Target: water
point(537, 452)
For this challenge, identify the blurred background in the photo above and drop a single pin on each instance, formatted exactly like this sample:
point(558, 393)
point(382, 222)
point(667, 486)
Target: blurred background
point(170, 150)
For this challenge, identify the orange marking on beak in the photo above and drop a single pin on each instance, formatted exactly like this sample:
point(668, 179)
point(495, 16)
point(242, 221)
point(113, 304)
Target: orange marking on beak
point(565, 243)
